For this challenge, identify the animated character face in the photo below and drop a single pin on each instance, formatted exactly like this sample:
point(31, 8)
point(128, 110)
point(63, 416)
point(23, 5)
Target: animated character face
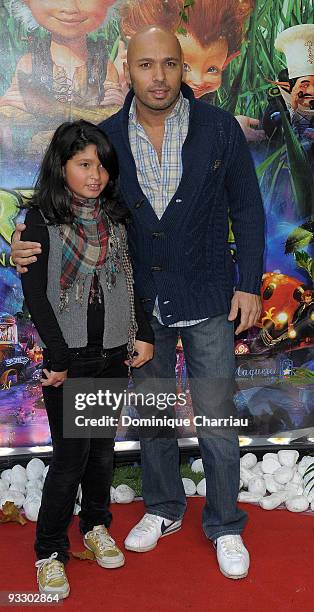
point(69, 19)
point(280, 298)
point(304, 91)
point(203, 65)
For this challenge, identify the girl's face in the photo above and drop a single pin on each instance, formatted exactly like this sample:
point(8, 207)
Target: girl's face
point(84, 174)
point(203, 66)
point(69, 18)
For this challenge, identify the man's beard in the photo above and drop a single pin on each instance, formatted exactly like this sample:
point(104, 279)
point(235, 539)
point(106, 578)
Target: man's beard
point(167, 104)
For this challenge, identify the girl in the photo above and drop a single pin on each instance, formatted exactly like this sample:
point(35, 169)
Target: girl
point(80, 296)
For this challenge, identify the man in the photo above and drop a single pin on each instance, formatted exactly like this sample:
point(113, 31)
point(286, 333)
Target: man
point(184, 166)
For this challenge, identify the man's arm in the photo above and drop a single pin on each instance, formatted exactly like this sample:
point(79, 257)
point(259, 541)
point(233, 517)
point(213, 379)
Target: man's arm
point(23, 252)
point(248, 225)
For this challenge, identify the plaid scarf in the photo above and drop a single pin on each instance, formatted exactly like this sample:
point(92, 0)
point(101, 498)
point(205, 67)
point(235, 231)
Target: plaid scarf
point(84, 244)
point(89, 245)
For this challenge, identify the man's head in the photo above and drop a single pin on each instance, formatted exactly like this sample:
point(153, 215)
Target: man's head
point(154, 68)
point(213, 33)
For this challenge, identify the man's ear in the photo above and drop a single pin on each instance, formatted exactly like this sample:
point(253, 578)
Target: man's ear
point(126, 72)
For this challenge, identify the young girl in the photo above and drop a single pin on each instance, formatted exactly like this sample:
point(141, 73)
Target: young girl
point(80, 296)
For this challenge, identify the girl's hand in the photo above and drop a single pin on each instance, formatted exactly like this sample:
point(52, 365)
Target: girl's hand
point(54, 379)
point(144, 352)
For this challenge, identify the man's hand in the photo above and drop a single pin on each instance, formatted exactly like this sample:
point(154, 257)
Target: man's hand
point(23, 252)
point(54, 379)
point(145, 352)
point(250, 128)
point(250, 306)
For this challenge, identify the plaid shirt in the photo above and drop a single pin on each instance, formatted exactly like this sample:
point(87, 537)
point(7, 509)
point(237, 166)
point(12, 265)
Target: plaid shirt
point(160, 181)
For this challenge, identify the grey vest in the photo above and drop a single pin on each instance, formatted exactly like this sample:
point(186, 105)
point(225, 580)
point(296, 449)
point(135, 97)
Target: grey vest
point(73, 322)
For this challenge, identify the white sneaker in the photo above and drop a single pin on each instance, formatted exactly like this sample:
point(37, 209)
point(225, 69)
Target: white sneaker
point(232, 556)
point(145, 535)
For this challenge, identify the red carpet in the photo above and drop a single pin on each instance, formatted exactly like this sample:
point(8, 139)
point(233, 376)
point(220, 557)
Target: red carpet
point(181, 573)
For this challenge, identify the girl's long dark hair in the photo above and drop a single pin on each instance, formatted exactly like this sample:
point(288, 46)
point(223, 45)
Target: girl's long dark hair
point(51, 193)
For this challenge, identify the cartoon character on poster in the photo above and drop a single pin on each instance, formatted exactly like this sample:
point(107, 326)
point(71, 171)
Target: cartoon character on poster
point(296, 83)
point(211, 38)
point(64, 75)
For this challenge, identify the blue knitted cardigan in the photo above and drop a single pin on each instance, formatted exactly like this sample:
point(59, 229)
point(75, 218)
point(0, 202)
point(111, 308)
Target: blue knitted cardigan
point(184, 257)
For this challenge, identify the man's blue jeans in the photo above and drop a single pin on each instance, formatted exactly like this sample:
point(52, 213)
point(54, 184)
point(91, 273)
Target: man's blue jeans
point(209, 355)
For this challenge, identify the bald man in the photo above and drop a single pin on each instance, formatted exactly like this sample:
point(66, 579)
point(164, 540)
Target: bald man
point(184, 166)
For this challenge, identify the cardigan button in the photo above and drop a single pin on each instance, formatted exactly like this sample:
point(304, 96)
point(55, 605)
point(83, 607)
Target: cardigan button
point(156, 269)
point(158, 235)
point(139, 204)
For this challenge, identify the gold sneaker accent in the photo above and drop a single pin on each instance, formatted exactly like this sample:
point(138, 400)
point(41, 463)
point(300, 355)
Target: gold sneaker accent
point(51, 577)
point(100, 542)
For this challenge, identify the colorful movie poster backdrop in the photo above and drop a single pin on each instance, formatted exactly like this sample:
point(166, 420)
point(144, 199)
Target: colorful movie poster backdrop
point(255, 59)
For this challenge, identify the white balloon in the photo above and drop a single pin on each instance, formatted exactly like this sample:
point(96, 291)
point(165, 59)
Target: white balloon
point(257, 469)
point(14, 496)
point(35, 468)
point(246, 475)
point(291, 489)
point(271, 485)
point(270, 456)
point(309, 495)
point(249, 460)
point(270, 463)
point(270, 502)
point(18, 474)
point(189, 486)
point(305, 463)
point(124, 494)
point(45, 472)
point(246, 496)
point(112, 495)
point(297, 478)
point(6, 475)
point(257, 486)
point(4, 485)
point(33, 497)
point(37, 483)
point(201, 487)
point(299, 503)
point(240, 484)
point(197, 466)
point(288, 457)
point(283, 475)
point(18, 486)
point(34, 494)
point(31, 509)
